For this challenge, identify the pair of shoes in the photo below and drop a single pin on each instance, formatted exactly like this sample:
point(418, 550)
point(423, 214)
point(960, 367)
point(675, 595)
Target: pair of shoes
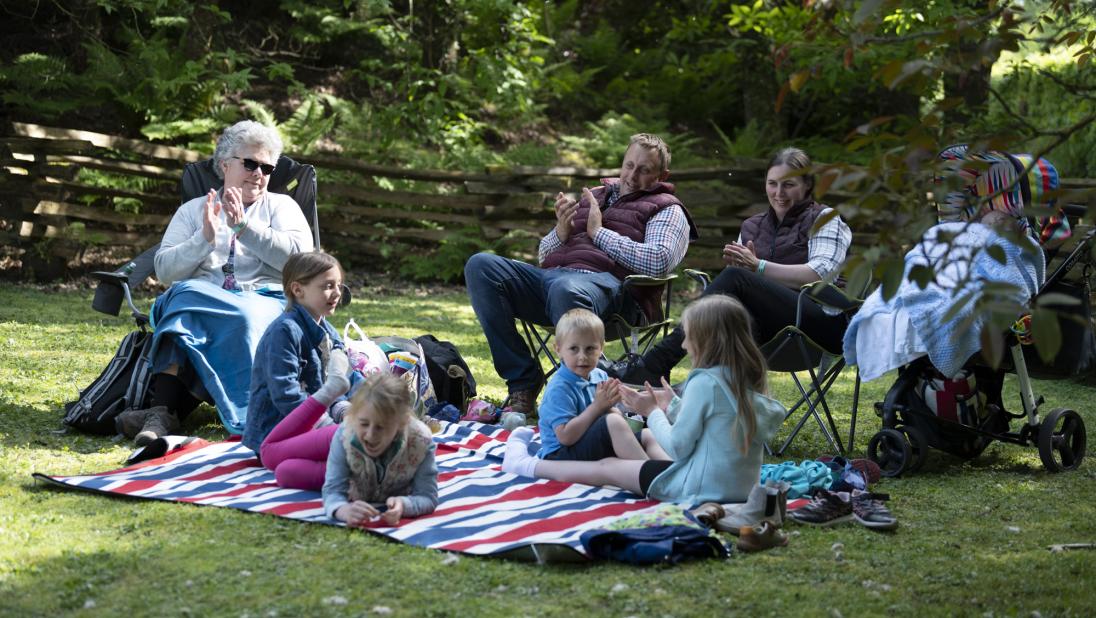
point(159, 422)
point(766, 503)
point(757, 538)
point(868, 511)
point(833, 507)
point(708, 513)
point(825, 509)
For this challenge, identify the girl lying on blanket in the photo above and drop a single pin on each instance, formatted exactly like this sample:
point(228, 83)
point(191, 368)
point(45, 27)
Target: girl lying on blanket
point(294, 351)
point(714, 432)
point(380, 458)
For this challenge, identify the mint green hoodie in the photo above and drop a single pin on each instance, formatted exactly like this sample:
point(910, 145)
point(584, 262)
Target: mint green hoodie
point(698, 432)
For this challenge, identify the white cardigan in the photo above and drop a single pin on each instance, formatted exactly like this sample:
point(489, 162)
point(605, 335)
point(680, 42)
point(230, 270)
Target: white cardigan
point(275, 229)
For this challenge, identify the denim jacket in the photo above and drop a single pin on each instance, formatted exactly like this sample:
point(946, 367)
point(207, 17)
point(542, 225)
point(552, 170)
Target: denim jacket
point(288, 367)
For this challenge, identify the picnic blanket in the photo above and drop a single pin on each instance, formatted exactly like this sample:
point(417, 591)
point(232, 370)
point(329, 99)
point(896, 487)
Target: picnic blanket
point(482, 510)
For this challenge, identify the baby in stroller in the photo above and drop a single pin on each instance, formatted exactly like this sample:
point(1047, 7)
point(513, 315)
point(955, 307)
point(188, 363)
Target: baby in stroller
point(988, 261)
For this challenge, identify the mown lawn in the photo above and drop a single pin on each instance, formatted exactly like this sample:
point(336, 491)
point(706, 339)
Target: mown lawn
point(973, 540)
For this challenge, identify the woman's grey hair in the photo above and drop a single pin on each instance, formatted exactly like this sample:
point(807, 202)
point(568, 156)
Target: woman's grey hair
point(241, 135)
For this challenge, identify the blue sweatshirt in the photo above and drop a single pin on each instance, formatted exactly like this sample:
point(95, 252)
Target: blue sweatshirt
point(699, 433)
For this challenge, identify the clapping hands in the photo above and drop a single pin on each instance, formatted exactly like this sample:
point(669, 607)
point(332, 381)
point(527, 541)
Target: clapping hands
point(744, 256)
point(649, 399)
point(607, 394)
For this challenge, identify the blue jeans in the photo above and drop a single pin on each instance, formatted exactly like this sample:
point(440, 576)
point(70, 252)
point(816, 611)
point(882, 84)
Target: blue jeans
point(502, 290)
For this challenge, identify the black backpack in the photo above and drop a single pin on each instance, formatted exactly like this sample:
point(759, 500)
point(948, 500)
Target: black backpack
point(450, 375)
point(122, 386)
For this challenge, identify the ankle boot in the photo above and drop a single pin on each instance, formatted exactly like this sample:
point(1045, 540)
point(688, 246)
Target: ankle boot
point(130, 422)
point(160, 422)
point(747, 514)
point(777, 492)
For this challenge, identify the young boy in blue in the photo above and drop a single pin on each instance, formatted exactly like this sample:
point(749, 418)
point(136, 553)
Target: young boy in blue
point(577, 417)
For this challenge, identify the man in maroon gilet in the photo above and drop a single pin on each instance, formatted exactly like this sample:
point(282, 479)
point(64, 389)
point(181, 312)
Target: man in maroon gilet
point(629, 225)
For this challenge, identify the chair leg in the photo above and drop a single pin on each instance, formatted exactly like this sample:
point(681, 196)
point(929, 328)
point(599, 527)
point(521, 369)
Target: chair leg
point(811, 397)
point(855, 409)
point(814, 397)
point(538, 345)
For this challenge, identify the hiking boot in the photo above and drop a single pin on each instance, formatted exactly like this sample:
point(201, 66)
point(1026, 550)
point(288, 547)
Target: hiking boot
point(130, 422)
point(524, 401)
point(825, 509)
point(160, 422)
point(766, 535)
point(868, 511)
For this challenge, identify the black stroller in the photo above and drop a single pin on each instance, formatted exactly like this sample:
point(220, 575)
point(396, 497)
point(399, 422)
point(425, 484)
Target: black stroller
point(963, 416)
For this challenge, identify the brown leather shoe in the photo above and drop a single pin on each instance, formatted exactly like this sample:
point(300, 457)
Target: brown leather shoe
point(761, 537)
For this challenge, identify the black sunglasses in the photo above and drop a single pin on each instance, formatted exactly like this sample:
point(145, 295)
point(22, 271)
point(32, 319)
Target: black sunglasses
point(251, 165)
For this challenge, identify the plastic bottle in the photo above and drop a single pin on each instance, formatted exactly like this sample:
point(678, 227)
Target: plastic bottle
point(512, 420)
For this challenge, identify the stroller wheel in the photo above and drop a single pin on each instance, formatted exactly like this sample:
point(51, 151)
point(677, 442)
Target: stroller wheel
point(889, 449)
point(1062, 440)
point(919, 447)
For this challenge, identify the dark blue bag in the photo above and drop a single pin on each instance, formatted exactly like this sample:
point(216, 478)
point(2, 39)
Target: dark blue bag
point(654, 545)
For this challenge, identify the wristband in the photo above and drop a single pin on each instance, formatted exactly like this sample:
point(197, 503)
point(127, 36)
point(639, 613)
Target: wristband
point(236, 229)
point(761, 267)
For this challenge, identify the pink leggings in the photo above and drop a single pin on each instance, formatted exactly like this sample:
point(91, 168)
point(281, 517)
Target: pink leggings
point(297, 453)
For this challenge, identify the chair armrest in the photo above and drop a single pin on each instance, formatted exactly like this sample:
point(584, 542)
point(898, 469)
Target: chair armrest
point(701, 277)
point(113, 278)
point(829, 296)
point(644, 281)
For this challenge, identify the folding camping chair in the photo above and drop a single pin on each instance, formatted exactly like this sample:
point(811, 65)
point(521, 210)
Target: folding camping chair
point(295, 179)
point(635, 335)
point(792, 351)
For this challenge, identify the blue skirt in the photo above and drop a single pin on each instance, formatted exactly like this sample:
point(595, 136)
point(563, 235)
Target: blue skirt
point(213, 333)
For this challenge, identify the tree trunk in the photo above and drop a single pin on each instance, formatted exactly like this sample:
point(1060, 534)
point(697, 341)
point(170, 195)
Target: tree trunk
point(758, 75)
point(973, 62)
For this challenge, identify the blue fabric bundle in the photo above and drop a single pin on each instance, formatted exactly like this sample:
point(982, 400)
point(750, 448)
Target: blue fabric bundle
point(215, 333)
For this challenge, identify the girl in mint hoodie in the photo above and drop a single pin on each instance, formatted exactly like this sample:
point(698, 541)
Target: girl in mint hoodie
point(715, 432)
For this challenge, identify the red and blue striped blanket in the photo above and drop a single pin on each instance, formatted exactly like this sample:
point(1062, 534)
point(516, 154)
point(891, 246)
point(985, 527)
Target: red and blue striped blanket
point(482, 510)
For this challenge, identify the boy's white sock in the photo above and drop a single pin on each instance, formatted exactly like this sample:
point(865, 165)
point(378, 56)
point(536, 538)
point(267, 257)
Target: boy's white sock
point(337, 384)
point(517, 459)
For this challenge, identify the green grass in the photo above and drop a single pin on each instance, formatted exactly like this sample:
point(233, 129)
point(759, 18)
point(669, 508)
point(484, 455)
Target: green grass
point(61, 552)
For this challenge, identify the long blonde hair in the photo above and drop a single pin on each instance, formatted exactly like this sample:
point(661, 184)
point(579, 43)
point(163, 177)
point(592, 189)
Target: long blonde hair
point(720, 335)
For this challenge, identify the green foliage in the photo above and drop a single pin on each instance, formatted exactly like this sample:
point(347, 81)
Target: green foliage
point(1046, 97)
point(40, 82)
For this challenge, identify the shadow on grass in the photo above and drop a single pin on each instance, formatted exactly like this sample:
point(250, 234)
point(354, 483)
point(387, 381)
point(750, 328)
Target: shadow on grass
point(28, 427)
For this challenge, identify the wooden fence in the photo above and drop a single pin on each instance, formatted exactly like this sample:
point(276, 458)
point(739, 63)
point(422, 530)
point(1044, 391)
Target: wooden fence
point(58, 194)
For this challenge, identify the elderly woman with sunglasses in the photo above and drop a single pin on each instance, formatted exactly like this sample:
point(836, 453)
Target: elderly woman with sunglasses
point(242, 225)
point(223, 255)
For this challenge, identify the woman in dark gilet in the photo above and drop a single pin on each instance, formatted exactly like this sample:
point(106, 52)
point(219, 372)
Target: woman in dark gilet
point(777, 252)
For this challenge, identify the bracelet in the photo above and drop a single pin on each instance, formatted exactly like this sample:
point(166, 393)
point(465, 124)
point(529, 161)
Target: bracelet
point(761, 267)
point(236, 229)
